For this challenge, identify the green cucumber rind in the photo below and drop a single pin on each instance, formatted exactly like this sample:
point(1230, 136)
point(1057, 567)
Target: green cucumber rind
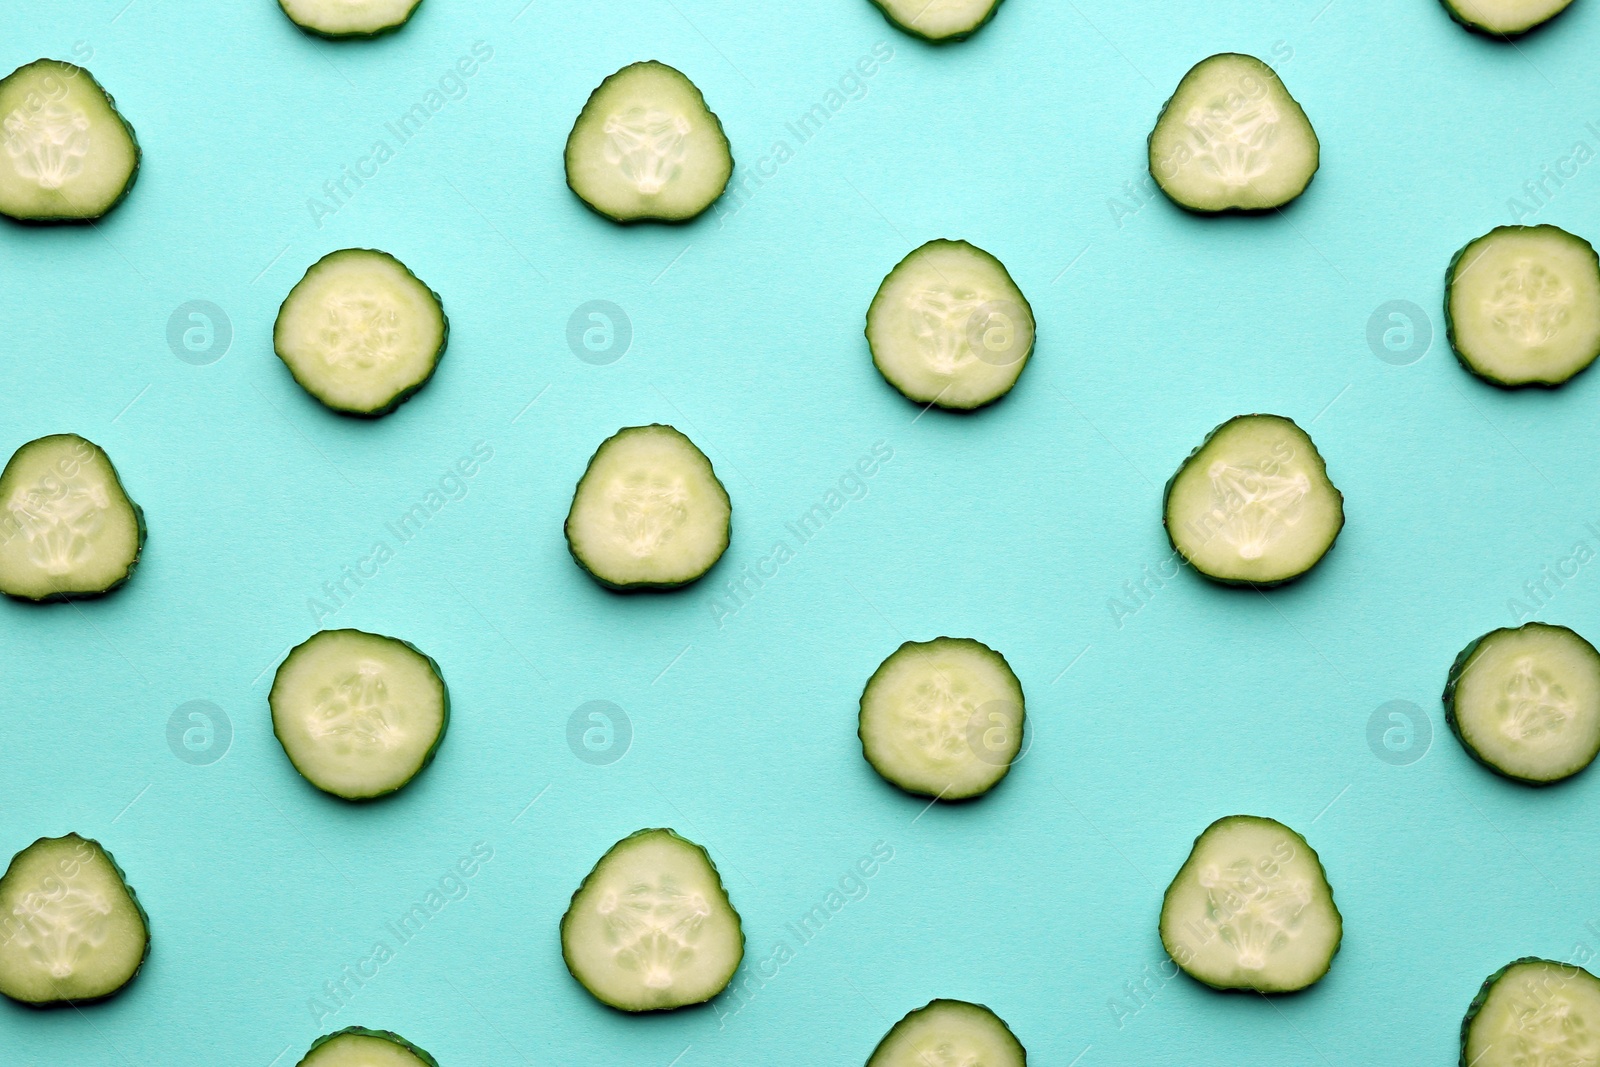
point(738, 921)
point(1498, 35)
point(144, 920)
point(1166, 498)
point(73, 70)
point(1450, 320)
point(959, 35)
point(939, 1002)
point(1487, 987)
point(629, 587)
point(1332, 903)
point(716, 122)
point(138, 516)
point(382, 1035)
point(427, 757)
point(1023, 297)
point(1150, 148)
point(403, 395)
point(1459, 667)
point(354, 35)
point(866, 752)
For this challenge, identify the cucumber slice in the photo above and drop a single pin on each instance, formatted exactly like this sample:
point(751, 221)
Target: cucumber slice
point(649, 512)
point(949, 327)
point(356, 1046)
point(1526, 702)
point(1533, 1013)
point(1253, 504)
point(1251, 909)
point(358, 714)
point(349, 18)
point(651, 928)
point(360, 332)
point(646, 146)
point(68, 528)
point(1504, 18)
point(1232, 139)
point(938, 20)
point(949, 1032)
point(69, 154)
point(1522, 305)
point(71, 929)
point(942, 718)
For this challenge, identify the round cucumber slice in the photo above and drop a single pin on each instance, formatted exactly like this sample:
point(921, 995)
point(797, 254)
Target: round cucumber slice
point(67, 527)
point(338, 19)
point(938, 20)
point(942, 718)
point(360, 332)
point(358, 714)
point(651, 928)
point(1522, 305)
point(69, 154)
point(646, 146)
point(1251, 909)
point(71, 929)
point(951, 1032)
point(1504, 18)
point(1533, 1013)
point(1526, 702)
point(1232, 139)
point(1253, 504)
point(949, 327)
point(649, 512)
point(356, 1046)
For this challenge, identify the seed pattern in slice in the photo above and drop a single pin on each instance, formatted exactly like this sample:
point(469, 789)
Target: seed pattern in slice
point(1533, 1013)
point(339, 19)
point(938, 20)
point(356, 1046)
point(1504, 18)
point(69, 154)
point(949, 1033)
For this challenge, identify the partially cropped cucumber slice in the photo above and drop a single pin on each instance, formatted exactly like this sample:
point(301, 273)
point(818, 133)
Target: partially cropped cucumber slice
point(1504, 18)
point(1253, 504)
point(651, 927)
point(69, 154)
point(949, 327)
point(938, 20)
point(349, 18)
point(1533, 1013)
point(646, 146)
point(71, 929)
point(357, 1046)
point(942, 718)
point(67, 527)
point(358, 714)
point(360, 332)
point(1526, 702)
point(1251, 909)
point(1522, 305)
point(949, 1032)
point(1232, 139)
point(649, 512)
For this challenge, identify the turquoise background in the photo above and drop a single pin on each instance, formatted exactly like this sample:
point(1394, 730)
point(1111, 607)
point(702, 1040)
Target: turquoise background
point(1017, 526)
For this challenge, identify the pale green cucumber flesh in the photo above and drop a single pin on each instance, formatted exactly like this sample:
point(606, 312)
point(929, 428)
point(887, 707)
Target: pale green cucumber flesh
point(1533, 1013)
point(1231, 138)
point(949, 1032)
point(67, 526)
point(71, 929)
point(1504, 18)
point(360, 332)
point(349, 18)
point(356, 1046)
point(943, 718)
point(358, 714)
point(651, 928)
point(646, 146)
point(1251, 908)
point(1526, 702)
point(649, 511)
point(1522, 305)
point(69, 155)
point(949, 327)
point(938, 20)
point(1253, 505)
